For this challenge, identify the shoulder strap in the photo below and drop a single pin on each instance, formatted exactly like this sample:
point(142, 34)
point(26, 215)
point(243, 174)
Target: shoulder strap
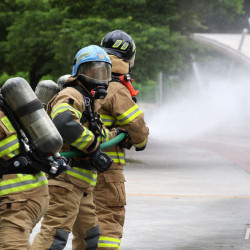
point(20, 133)
point(89, 115)
point(86, 115)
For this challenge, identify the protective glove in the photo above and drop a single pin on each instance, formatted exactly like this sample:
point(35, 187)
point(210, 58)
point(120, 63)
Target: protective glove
point(101, 161)
point(125, 142)
point(134, 99)
point(140, 149)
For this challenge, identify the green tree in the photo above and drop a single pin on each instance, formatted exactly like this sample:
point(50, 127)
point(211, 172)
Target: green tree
point(41, 37)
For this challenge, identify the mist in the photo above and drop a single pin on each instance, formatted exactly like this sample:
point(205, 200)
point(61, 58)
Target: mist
point(210, 98)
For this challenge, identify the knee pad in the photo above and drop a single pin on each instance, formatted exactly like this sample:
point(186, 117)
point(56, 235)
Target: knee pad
point(60, 240)
point(92, 238)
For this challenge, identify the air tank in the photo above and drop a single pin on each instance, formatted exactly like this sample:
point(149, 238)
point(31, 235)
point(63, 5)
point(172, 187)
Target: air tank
point(62, 80)
point(45, 90)
point(31, 115)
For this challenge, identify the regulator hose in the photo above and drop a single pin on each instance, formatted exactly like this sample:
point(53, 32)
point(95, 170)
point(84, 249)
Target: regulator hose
point(108, 144)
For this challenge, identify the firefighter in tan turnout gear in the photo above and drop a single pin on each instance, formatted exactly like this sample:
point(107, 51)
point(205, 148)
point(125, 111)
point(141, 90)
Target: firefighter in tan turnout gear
point(24, 198)
point(71, 194)
point(24, 194)
point(120, 111)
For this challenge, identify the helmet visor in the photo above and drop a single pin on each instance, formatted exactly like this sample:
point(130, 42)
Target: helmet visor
point(96, 72)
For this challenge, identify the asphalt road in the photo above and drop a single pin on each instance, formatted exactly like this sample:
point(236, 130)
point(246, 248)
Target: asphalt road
point(191, 195)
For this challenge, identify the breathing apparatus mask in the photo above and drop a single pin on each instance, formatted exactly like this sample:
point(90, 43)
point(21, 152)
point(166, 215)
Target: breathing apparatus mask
point(95, 77)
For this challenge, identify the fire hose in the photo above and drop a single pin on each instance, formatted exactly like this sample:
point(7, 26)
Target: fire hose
point(110, 143)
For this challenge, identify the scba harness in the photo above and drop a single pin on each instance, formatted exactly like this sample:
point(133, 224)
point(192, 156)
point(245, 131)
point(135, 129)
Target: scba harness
point(99, 160)
point(95, 122)
point(29, 160)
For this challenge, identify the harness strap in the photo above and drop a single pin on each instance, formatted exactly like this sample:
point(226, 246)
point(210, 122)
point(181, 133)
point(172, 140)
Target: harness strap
point(17, 165)
point(89, 115)
point(29, 107)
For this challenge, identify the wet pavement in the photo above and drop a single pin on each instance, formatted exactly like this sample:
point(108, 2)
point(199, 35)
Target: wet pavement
point(189, 195)
point(188, 198)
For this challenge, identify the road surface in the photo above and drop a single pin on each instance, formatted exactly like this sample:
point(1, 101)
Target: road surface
point(190, 195)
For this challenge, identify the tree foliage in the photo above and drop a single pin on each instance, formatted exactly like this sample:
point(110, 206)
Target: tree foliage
point(41, 37)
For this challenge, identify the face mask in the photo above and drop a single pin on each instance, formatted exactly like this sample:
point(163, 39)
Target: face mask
point(98, 91)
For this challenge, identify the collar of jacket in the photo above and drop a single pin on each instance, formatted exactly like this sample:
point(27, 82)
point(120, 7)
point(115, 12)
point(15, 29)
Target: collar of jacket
point(119, 66)
point(115, 77)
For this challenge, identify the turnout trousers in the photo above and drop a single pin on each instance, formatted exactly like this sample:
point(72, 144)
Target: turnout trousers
point(110, 201)
point(18, 217)
point(68, 202)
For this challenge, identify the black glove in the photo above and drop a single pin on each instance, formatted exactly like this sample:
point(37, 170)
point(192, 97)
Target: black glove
point(134, 99)
point(101, 161)
point(125, 142)
point(140, 149)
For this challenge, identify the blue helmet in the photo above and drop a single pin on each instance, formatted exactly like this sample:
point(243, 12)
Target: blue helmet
point(92, 68)
point(91, 53)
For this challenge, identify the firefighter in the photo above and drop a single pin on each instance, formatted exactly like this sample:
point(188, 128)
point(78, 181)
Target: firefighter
point(23, 193)
point(73, 112)
point(118, 110)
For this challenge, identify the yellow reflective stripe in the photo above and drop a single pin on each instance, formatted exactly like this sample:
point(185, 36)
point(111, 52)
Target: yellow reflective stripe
point(117, 157)
point(5, 120)
point(133, 47)
point(22, 183)
point(83, 140)
point(16, 152)
point(83, 174)
point(139, 145)
point(120, 154)
point(107, 120)
point(64, 107)
point(102, 138)
point(8, 145)
point(105, 139)
point(125, 45)
point(13, 153)
point(82, 56)
point(109, 242)
point(129, 115)
point(117, 43)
